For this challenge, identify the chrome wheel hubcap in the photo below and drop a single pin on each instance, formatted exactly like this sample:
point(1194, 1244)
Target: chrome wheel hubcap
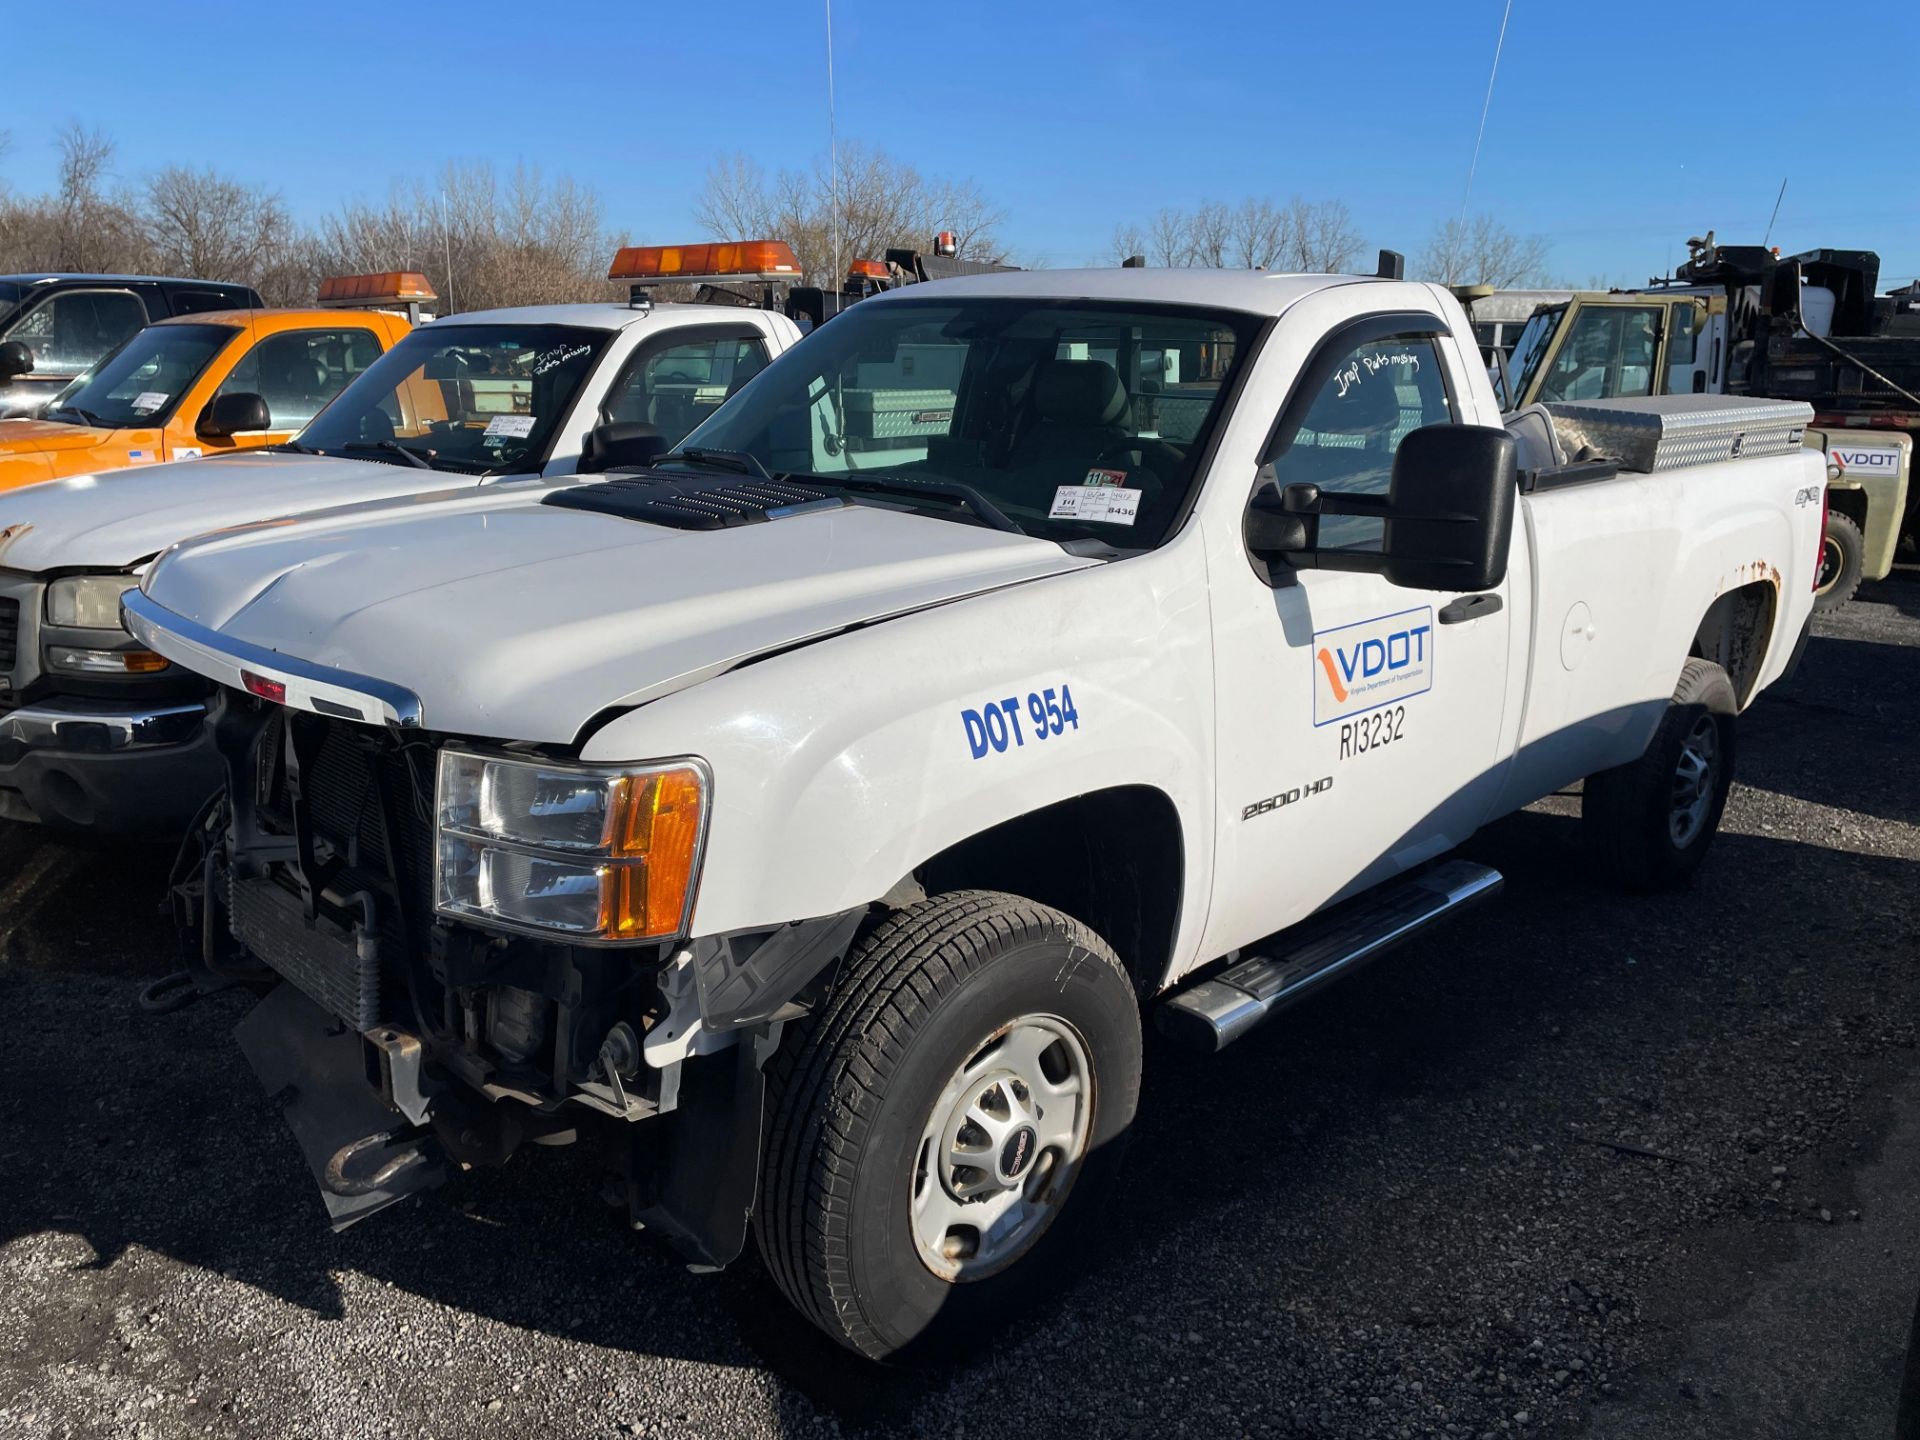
point(1693, 781)
point(1002, 1148)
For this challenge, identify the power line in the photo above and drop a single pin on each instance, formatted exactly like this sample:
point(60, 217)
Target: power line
point(1776, 212)
point(833, 149)
point(1485, 106)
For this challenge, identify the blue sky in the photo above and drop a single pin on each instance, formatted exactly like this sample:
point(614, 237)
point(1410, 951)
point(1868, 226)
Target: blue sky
point(1609, 141)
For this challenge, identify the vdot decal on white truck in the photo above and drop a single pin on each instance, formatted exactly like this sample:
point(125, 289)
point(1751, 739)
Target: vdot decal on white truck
point(1371, 663)
point(1860, 461)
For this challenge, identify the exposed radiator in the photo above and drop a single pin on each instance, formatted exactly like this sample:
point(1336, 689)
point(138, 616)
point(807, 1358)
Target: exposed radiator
point(318, 957)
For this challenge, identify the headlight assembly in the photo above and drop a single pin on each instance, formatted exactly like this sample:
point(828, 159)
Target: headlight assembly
point(88, 602)
point(589, 852)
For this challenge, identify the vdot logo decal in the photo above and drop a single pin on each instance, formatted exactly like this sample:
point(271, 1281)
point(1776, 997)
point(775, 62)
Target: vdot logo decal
point(1371, 663)
point(1861, 461)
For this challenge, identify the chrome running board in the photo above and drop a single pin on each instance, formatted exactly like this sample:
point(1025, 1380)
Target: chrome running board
point(1212, 1013)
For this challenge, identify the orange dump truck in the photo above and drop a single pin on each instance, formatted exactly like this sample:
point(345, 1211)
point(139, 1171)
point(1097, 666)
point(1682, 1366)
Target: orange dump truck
point(212, 382)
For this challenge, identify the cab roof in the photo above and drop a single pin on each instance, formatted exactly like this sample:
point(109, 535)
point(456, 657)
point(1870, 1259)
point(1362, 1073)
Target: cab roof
point(595, 315)
point(41, 277)
point(286, 318)
point(1258, 292)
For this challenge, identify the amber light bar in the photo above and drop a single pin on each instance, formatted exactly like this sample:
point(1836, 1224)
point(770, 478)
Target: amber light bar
point(736, 260)
point(389, 287)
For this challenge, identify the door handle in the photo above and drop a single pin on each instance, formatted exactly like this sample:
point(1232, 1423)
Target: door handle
point(1470, 607)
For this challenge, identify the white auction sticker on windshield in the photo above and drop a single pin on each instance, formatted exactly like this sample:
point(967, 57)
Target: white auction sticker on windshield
point(149, 400)
point(1108, 504)
point(516, 426)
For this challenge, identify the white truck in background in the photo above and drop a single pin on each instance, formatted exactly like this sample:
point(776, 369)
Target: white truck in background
point(811, 819)
point(98, 733)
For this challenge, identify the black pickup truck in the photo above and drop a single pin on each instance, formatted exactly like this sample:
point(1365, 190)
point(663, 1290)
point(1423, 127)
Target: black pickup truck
point(54, 327)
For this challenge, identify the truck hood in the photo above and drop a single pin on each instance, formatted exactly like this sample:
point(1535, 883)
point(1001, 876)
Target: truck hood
point(117, 519)
point(45, 437)
point(514, 620)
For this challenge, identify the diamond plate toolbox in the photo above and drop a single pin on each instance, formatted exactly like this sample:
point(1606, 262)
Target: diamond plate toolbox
point(1653, 433)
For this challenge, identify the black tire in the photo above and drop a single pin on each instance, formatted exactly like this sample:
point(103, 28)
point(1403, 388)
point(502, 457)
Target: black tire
point(1628, 814)
point(852, 1089)
point(1843, 554)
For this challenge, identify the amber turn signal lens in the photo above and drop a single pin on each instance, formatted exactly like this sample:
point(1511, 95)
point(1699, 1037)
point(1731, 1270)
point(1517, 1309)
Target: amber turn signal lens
point(657, 832)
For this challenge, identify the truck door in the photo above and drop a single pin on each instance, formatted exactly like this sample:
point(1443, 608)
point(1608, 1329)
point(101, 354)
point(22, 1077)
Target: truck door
point(1360, 724)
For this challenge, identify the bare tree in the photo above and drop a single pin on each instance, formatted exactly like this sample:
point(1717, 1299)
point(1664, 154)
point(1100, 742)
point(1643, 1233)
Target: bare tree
point(1323, 240)
point(1168, 241)
point(204, 224)
point(1482, 251)
point(82, 227)
point(873, 204)
point(1209, 235)
point(1259, 234)
point(481, 241)
point(1303, 235)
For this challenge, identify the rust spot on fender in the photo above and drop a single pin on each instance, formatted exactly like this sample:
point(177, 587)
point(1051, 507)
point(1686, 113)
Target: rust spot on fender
point(12, 533)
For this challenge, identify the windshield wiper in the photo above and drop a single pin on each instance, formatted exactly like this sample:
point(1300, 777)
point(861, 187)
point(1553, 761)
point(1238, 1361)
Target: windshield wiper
point(414, 458)
point(983, 509)
point(86, 416)
point(738, 461)
point(292, 447)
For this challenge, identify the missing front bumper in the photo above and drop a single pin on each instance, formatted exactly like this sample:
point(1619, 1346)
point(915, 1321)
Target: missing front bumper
point(316, 1067)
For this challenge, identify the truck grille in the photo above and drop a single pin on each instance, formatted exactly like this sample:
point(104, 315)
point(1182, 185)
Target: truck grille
point(9, 632)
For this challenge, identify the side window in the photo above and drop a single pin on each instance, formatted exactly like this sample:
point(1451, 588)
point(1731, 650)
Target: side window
point(299, 371)
point(1680, 349)
point(1608, 354)
point(68, 332)
point(679, 383)
point(1379, 393)
point(192, 302)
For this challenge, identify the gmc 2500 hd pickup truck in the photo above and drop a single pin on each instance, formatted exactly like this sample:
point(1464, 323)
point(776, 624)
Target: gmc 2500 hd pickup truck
point(810, 818)
point(98, 732)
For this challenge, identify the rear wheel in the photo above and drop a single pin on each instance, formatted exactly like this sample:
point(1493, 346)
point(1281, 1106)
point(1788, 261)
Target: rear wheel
point(1843, 552)
point(944, 1127)
point(1649, 823)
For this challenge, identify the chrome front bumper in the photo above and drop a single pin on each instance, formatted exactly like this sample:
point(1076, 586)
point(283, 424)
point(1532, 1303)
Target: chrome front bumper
point(90, 732)
point(127, 770)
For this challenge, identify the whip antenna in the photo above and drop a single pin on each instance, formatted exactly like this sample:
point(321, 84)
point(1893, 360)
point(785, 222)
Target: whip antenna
point(1485, 105)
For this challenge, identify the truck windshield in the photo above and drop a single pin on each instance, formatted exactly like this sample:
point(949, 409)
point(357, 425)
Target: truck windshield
point(142, 382)
point(478, 399)
point(1531, 348)
point(1078, 420)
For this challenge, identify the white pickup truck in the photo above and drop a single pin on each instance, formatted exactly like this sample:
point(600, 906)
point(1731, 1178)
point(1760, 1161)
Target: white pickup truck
point(97, 732)
point(809, 820)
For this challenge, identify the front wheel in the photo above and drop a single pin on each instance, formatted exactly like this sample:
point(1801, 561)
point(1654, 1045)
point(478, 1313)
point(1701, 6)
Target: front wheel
point(942, 1129)
point(1648, 823)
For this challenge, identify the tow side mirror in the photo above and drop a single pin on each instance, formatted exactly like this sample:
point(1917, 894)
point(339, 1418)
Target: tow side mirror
point(1447, 513)
point(233, 414)
point(15, 360)
point(622, 445)
point(1450, 508)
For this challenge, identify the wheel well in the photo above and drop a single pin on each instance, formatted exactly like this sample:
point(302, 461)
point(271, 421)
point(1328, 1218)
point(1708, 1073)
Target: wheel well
point(1112, 860)
point(1849, 502)
point(1735, 634)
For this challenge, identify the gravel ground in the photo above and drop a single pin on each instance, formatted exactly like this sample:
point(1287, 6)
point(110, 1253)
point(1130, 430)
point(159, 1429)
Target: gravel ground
point(1430, 1222)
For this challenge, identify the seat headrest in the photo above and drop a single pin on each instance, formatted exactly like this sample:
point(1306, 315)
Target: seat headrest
point(1078, 392)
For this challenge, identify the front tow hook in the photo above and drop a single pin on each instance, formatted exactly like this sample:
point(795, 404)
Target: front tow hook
point(337, 1179)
